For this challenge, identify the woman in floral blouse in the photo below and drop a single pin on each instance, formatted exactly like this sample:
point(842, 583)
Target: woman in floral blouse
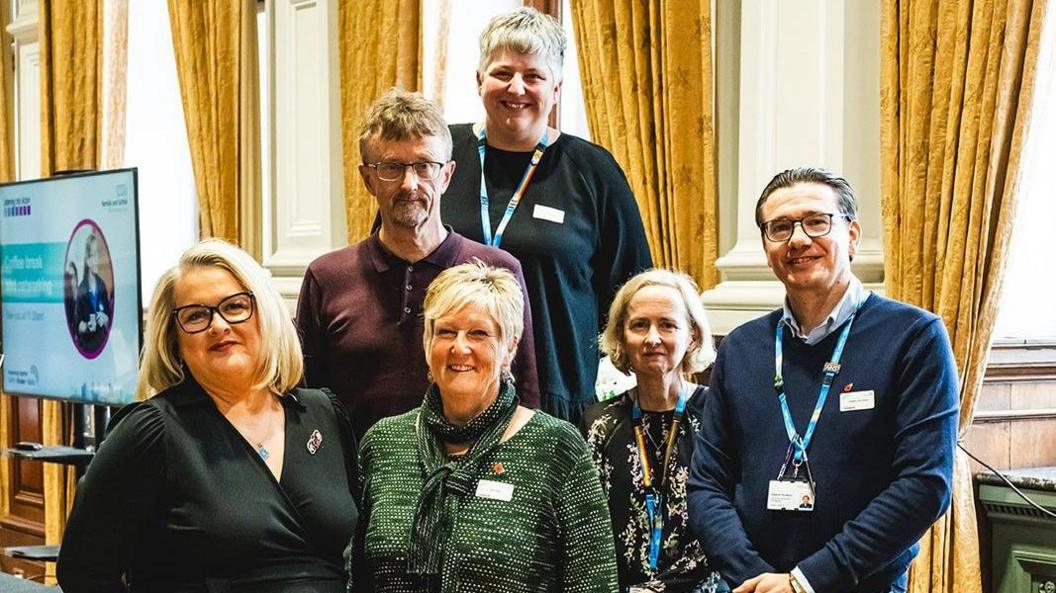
point(642, 440)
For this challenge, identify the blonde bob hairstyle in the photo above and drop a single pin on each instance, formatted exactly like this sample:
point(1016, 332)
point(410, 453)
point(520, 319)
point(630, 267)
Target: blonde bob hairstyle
point(280, 364)
point(495, 290)
point(524, 31)
point(701, 350)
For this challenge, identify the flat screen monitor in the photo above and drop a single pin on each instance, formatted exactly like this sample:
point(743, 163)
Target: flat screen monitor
point(70, 291)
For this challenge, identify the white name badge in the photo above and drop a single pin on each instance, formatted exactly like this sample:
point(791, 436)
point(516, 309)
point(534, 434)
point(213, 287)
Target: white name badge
point(857, 400)
point(789, 495)
point(495, 490)
point(547, 213)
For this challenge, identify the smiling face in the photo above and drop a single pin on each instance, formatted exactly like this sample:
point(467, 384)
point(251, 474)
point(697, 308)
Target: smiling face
point(409, 202)
point(657, 332)
point(802, 263)
point(518, 91)
point(467, 355)
point(224, 354)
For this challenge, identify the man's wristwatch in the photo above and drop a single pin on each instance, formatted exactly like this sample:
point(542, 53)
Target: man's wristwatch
point(794, 583)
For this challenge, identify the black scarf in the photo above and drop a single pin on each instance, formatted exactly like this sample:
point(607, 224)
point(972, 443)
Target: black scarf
point(448, 480)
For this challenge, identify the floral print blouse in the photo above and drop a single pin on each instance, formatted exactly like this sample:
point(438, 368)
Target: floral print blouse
point(609, 431)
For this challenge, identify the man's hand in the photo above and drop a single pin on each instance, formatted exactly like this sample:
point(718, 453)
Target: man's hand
point(768, 582)
point(101, 319)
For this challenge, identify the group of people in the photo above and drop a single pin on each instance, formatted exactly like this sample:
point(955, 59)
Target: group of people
point(428, 421)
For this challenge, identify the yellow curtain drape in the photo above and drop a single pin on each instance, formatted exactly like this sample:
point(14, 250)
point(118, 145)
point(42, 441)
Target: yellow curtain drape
point(380, 47)
point(7, 173)
point(70, 33)
point(957, 84)
point(215, 44)
point(115, 90)
point(647, 73)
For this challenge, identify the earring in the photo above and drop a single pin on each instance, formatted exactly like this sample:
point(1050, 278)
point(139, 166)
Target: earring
point(507, 375)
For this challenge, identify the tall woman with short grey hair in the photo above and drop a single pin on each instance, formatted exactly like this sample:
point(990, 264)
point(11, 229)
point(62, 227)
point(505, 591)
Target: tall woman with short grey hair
point(642, 440)
point(473, 492)
point(228, 478)
point(560, 204)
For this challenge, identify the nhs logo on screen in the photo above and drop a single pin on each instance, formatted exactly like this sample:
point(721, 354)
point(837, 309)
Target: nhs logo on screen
point(17, 207)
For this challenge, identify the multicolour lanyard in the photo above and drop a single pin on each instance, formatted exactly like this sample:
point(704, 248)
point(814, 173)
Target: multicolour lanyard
point(485, 214)
point(654, 497)
point(831, 369)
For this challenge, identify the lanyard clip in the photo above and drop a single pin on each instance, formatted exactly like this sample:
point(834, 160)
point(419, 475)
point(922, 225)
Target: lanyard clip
point(779, 383)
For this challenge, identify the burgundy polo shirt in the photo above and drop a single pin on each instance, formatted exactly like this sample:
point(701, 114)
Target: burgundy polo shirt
point(360, 320)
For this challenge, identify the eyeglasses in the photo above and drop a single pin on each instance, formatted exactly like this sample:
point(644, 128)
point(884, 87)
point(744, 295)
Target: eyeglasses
point(423, 170)
point(780, 230)
point(234, 309)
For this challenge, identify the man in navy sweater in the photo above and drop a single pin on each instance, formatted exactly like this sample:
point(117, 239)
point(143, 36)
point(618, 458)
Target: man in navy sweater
point(842, 398)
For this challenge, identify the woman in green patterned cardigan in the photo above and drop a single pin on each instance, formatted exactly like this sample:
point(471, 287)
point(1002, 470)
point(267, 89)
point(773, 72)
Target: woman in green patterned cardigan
point(472, 492)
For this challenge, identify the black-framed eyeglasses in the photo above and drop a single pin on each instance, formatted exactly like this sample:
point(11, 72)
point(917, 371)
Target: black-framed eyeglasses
point(780, 230)
point(423, 170)
point(234, 309)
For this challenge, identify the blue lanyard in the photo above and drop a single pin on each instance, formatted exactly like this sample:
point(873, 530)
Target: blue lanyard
point(485, 214)
point(654, 497)
point(831, 369)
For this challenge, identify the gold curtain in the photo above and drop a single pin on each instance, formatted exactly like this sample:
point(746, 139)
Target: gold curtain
point(115, 89)
point(215, 43)
point(957, 85)
point(7, 173)
point(647, 73)
point(380, 47)
point(70, 140)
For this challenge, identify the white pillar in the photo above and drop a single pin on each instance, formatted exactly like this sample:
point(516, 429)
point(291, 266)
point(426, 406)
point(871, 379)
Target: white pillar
point(304, 204)
point(809, 94)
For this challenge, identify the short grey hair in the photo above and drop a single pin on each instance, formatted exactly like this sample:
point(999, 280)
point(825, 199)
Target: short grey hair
point(399, 115)
point(494, 290)
point(701, 352)
point(846, 201)
point(524, 31)
point(281, 365)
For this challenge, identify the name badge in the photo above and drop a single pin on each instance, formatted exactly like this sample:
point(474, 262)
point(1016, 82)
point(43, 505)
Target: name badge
point(547, 213)
point(495, 490)
point(790, 495)
point(857, 400)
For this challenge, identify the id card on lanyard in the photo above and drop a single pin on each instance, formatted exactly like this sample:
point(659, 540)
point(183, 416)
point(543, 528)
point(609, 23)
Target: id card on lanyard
point(794, 492)
point(654, 496)
point(518, 194)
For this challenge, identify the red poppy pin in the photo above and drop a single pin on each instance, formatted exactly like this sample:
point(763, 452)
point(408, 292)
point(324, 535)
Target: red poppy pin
point(848, 387)
point(499, 469)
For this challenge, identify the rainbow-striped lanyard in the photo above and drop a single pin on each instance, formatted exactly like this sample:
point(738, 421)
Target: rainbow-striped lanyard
point(485, 213)
point(654, 497)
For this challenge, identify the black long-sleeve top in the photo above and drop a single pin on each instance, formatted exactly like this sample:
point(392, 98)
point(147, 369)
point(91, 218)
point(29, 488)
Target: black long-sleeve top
point(572, 268)
point(176, 500)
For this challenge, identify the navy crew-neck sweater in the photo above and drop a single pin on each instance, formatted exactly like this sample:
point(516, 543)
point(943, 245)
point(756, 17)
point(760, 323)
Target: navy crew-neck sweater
point(883, 475)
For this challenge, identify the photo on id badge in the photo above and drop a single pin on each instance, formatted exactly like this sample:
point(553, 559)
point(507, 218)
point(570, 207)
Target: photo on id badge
point(790, 495)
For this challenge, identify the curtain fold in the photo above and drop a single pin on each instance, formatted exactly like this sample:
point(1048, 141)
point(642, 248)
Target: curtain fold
point(380, 47)
point(957, 86)
point(70, 36)
point(216, 63)
point(648, 82)
point(115, 89)
point(7, 173)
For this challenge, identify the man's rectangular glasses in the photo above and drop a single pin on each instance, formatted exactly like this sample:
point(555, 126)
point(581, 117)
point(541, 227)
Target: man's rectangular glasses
point(423, 170)
point(780, 230)
point(234, 309)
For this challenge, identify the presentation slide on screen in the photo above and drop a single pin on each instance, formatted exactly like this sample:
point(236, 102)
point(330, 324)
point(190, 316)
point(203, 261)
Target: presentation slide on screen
point(70, 287)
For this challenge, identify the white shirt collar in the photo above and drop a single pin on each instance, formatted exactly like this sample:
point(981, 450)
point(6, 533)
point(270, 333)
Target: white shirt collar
point(852, 298)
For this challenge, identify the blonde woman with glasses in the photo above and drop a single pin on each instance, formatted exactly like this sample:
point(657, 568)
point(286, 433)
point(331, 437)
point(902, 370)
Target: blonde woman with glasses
point(227, 477)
